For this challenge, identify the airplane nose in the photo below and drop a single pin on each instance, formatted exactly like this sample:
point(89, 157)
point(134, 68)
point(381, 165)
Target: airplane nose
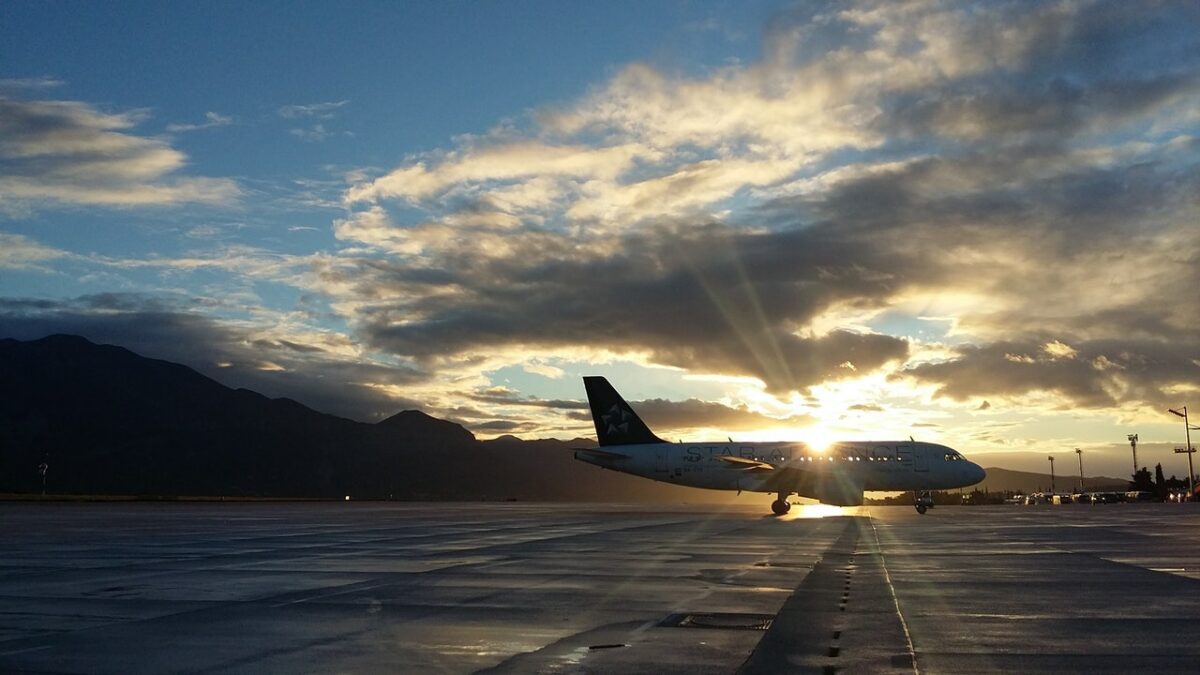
point(977, 473)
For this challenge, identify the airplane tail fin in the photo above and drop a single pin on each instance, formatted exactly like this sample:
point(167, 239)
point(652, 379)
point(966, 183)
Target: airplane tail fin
point(616, 423)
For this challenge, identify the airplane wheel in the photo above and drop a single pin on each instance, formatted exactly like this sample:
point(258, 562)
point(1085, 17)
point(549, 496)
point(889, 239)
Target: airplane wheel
point(780, 507)
point(921, 509)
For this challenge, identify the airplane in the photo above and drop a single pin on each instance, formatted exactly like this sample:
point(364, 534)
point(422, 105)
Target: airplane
point(837, 476)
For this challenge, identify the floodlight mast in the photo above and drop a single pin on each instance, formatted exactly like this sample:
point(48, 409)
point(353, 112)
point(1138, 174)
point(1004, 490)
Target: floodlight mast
point(1079, 453)
point(1133, 439)
point(1189, 450)
point(1051, 458)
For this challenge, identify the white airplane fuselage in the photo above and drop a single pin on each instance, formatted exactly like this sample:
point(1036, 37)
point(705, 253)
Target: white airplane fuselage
point(837, 475)
point(833, 475)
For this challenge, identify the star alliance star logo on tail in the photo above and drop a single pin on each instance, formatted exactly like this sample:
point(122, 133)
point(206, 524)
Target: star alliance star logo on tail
point(617, 419)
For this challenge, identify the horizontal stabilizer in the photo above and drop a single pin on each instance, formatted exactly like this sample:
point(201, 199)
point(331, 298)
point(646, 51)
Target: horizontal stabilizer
point(602, 454)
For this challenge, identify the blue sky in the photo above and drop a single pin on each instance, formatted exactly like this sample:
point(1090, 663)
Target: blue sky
point(971, 222)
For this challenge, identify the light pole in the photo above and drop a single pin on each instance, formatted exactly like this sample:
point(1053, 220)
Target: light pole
point(1051, 458)
point(1079, 453)
point(42, 468)
point(1133, 439)
point(1187, 431)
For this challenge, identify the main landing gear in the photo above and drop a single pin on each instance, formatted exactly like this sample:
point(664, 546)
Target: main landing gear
point(923, 501)
point(781, 506)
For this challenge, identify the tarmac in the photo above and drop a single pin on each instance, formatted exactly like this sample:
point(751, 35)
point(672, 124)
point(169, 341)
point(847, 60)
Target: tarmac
point(565, 588)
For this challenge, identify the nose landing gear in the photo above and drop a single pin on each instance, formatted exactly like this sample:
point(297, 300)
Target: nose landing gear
point(923, 501)
point(781, 506)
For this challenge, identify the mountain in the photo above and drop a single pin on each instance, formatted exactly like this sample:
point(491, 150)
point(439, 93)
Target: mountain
point(108, 421)
point(1000, 480)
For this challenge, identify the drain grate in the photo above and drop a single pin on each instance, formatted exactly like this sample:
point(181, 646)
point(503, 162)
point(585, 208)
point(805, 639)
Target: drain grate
point(719, 620)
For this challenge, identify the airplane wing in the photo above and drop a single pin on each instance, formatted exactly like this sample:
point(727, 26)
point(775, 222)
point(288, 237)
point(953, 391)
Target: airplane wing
point(829, 487)
point(748, 464)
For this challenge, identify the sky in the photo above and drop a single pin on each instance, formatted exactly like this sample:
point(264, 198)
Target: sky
point(970, 223)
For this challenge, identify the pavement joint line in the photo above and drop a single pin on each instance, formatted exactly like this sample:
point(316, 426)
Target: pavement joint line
point(26, 650)
point(912, 652)
point(356, 588)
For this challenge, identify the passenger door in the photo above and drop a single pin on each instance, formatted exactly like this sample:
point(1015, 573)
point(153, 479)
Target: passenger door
point(921, 459)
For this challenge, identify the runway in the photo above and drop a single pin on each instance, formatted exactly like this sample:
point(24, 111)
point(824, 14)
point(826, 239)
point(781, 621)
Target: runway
point(460, 588)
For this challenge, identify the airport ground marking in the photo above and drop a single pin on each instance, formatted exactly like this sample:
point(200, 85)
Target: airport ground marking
point(895, 599)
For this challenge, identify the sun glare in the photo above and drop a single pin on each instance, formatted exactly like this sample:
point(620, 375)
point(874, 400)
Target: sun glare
point(816, 511)
point(819, 439)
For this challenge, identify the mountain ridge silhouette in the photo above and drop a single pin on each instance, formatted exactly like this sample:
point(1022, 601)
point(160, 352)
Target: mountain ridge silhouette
point(108, 421)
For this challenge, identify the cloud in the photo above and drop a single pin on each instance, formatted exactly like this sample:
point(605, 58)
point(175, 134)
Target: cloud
point(43, 82)
point(717, 301)
point(662, 415)
point(880, 156)
point(507, 163)
point(68, 152)
point(18, 252)
point(211, 120)
point(503, 396)
point(323, 111)
point(316, 132)
point(1100, 374)
point(866, 407)
point(1026, 173)
point(320, 369)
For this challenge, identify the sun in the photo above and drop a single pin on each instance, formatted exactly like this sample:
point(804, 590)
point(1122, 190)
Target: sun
point(818, 438)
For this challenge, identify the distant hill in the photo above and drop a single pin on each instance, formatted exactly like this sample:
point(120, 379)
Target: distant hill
point(999, 480)
point(108, 421)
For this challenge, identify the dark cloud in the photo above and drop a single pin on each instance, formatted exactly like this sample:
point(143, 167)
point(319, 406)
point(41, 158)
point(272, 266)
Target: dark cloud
point(287, 344)
point(1036, 160)
point(660, 414)
point(226, 352)
point(663, 415)
point(864, 407)
point(1105, 39)
point(715, 299)
point(1056, 70)
point(1048, 112)
point(70, 152)
point(1025, 173)
point(1094, 373)
point(503, 396)
point(500, 425)
point(706, 298)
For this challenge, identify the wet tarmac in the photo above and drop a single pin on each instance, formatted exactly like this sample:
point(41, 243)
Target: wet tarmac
point(516, 588)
